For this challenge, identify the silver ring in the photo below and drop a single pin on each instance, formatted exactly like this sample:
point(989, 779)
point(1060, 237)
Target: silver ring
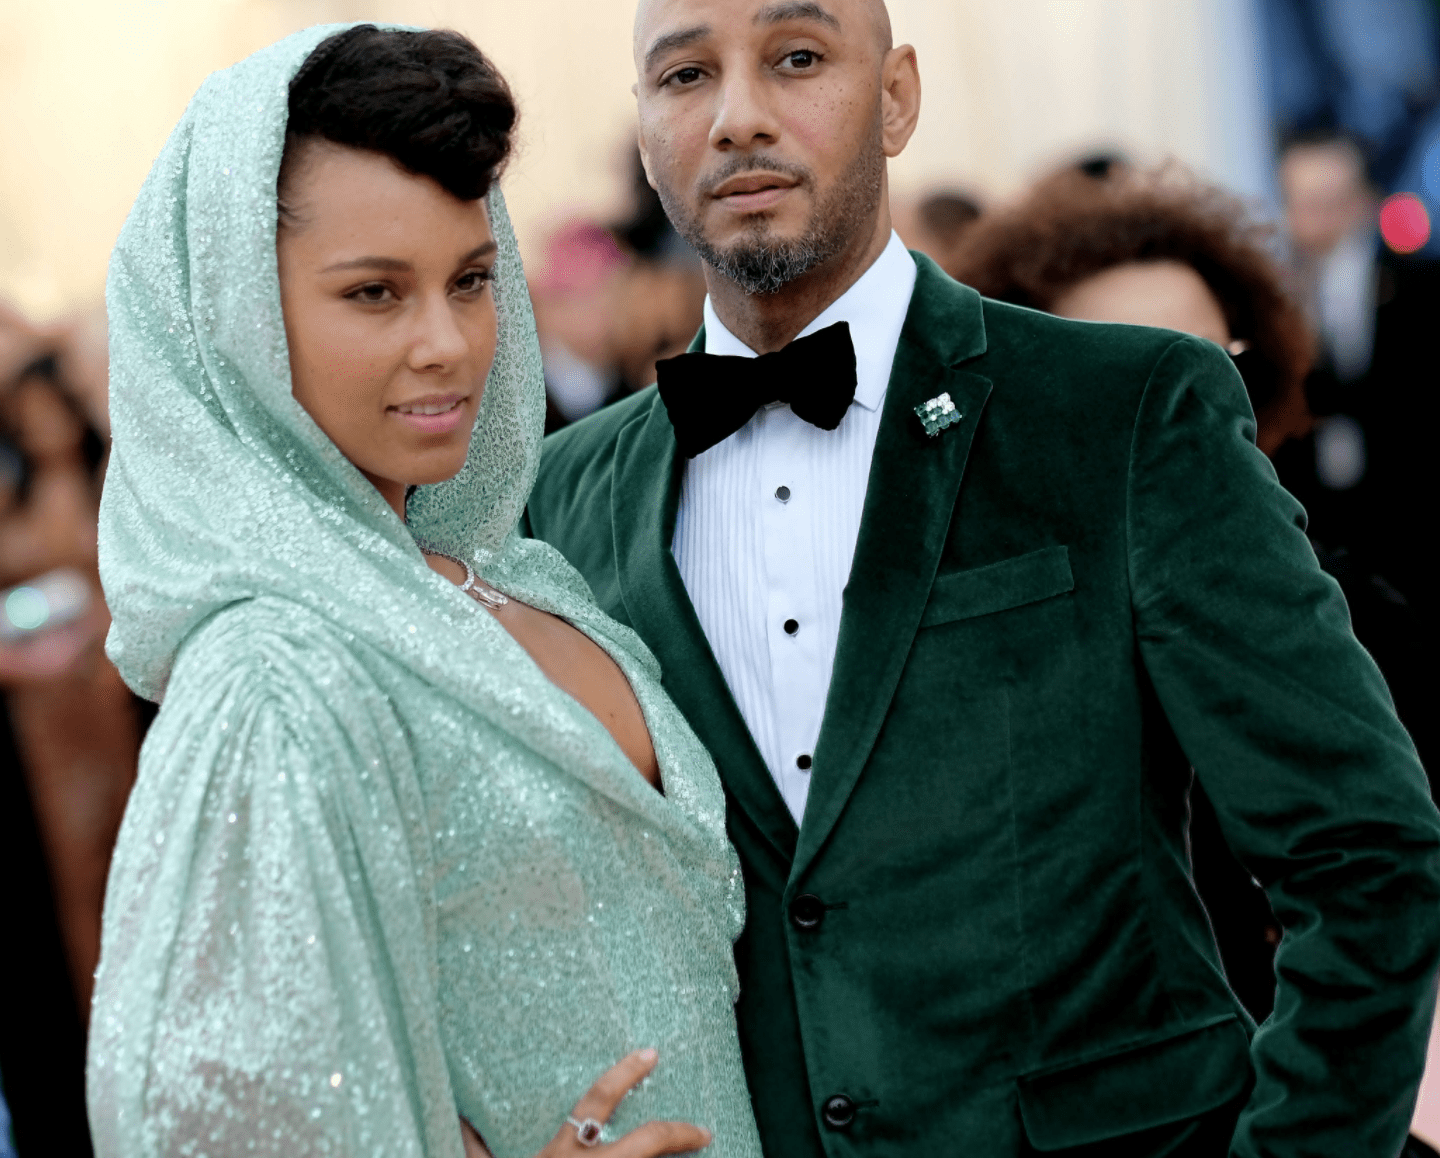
point(587, 1133)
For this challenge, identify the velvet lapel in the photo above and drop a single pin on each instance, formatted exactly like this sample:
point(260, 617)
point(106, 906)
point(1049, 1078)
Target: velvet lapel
point(909, 500)
point(644, 496)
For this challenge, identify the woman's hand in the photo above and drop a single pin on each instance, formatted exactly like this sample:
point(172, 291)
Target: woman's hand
point(648, 1141)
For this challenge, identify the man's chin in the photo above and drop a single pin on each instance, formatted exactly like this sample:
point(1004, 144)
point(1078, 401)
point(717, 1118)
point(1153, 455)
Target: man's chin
point(756, 230)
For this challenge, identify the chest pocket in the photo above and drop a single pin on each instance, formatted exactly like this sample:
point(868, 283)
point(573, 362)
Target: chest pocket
point(1000, 586)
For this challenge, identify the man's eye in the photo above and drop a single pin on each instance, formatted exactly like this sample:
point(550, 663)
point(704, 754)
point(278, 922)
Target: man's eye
point(685, 76)
point(803, 58)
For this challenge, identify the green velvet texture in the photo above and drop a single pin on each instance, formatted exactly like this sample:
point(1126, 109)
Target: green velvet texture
point(1057, 607)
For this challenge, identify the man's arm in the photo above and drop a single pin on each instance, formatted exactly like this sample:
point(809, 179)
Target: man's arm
point(1292, 732)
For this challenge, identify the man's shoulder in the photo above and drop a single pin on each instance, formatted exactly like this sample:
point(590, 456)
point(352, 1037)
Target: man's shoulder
point(1015, 334)
point(595, 434)
point(1051, 376)
point(1018, 333)
point(576, 464)
point(1063, 370)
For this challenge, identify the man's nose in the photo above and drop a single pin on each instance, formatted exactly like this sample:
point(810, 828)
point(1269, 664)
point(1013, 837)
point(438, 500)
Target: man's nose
point(439, 341)
point(744, 116)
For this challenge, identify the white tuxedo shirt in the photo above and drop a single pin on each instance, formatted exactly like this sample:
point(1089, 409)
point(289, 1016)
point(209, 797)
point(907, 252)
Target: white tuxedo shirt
point(767, 525)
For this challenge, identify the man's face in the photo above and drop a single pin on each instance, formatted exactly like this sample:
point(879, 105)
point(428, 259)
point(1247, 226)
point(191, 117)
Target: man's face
point(1326, 196)
point(762, 125)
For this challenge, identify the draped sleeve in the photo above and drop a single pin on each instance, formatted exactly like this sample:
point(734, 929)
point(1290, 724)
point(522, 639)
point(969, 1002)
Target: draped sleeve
point(268, 973)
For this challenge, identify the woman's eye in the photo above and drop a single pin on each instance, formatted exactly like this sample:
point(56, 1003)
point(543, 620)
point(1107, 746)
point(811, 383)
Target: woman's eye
point(473, 282)
point(370, 294)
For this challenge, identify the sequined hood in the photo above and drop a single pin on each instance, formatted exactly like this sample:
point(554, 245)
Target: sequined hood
point(221, 488)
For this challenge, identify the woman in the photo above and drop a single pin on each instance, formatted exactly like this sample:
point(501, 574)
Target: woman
point(1102, 242)
point(392, 855)
point(69, 741)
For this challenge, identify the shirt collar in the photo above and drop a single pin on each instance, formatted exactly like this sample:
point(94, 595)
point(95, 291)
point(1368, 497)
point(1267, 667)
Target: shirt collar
point(875, 306)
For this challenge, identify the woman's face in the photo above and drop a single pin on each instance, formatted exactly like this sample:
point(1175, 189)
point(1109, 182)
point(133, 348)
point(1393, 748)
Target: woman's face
point(1168, 294)
point(389, 314)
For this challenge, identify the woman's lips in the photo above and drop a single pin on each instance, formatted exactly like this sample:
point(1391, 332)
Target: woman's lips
point(432, 415)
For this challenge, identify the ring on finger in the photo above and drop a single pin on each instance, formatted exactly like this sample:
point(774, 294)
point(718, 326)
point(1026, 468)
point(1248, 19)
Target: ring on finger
point(587, 1130)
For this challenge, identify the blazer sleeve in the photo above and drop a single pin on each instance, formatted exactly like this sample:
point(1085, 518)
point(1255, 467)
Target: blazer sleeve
point(267, 984)
point(1292, 732)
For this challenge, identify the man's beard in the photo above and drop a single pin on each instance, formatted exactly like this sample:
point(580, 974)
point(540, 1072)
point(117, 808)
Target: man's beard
point(762, 263)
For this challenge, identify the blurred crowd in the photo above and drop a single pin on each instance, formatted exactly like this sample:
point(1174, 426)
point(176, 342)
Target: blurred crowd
point(1325, 314)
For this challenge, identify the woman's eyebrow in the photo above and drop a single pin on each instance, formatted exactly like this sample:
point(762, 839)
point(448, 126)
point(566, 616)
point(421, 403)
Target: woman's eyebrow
point(479, 251)
point(389, 264)
point(396, 265)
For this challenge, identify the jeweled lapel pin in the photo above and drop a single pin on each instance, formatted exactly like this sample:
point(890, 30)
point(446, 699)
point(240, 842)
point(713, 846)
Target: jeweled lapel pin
point(937, 414)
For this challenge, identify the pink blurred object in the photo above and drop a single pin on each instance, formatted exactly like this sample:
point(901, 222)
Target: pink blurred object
point(578, 257)
point(1426, 1125)
point(1404, 223)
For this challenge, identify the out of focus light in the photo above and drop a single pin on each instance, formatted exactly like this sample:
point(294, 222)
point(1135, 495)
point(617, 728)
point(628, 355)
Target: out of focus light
point(1404, 224)
point(27, 608)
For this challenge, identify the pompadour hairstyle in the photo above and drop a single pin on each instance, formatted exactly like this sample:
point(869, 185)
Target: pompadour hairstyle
point(429, 100)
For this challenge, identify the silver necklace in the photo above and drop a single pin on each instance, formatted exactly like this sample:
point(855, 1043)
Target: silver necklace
point(481, 593)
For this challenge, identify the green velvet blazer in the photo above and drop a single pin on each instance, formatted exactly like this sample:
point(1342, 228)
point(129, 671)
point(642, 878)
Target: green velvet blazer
point(985, 937)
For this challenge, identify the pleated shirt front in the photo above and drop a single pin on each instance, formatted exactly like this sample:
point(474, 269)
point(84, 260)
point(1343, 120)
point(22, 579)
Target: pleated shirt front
point(767, 524)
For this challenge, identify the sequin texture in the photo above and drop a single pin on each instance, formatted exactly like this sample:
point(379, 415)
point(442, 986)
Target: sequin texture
point(377, 871)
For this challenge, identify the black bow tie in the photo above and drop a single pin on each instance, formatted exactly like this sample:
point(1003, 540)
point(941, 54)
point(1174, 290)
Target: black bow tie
point(710, 396)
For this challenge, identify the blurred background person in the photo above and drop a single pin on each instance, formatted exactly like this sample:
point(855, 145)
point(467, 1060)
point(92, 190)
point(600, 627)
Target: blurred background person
point(935, 223)
point(69, 728)
point(1100, 240)
point(573, 288)
point(1363, 474)
point(611, 301)
point(1365, 71)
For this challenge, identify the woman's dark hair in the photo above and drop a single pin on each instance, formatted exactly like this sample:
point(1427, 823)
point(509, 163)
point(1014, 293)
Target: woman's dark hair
point(430, 100)
point(1073, 225)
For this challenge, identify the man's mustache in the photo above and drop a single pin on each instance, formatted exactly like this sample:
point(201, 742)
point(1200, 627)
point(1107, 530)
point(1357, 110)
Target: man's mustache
point(752, 164)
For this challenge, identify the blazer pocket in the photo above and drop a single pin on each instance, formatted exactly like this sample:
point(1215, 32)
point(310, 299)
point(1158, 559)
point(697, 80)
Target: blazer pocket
point(1140, 1088)
point(1000, 586)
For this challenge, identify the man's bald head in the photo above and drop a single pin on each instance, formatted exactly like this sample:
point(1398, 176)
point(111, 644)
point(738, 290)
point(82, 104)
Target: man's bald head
point(765, 126)
point(880, 21)
point(871, 14)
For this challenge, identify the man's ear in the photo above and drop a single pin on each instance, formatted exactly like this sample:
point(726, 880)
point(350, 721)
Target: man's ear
point(645, 158)
point(899, 98)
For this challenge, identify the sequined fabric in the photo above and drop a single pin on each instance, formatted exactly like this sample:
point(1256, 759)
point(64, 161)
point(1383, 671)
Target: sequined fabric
point(377, 871)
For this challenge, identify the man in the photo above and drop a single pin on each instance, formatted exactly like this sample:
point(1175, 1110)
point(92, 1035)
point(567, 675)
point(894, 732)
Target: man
point(1366, 467)
point(955, 644)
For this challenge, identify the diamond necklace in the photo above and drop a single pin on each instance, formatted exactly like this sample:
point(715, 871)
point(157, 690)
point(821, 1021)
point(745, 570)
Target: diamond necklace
point(481, 593)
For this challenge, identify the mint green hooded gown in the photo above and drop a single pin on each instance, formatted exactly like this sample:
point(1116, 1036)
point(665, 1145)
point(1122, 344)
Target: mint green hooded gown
point(377, 870)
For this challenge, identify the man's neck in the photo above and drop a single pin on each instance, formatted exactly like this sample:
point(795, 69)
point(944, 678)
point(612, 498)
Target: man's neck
point(768, 322)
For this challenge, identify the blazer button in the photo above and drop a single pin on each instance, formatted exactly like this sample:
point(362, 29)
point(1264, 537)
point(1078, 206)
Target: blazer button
point(806, 912)
point(838, 1112)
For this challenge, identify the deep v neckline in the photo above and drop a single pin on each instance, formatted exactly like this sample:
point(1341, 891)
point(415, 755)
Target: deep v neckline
point(486, 597)
point(658, 785)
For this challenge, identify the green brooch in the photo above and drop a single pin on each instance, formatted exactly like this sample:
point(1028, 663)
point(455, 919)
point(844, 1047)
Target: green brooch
point(937, 414)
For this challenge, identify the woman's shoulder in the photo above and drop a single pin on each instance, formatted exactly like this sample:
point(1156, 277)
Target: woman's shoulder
point(264, 639)
point(270, 702)
point(275, 660)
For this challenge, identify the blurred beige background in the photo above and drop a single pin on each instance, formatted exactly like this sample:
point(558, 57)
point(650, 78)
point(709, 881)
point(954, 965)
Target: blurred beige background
point(91, 88)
